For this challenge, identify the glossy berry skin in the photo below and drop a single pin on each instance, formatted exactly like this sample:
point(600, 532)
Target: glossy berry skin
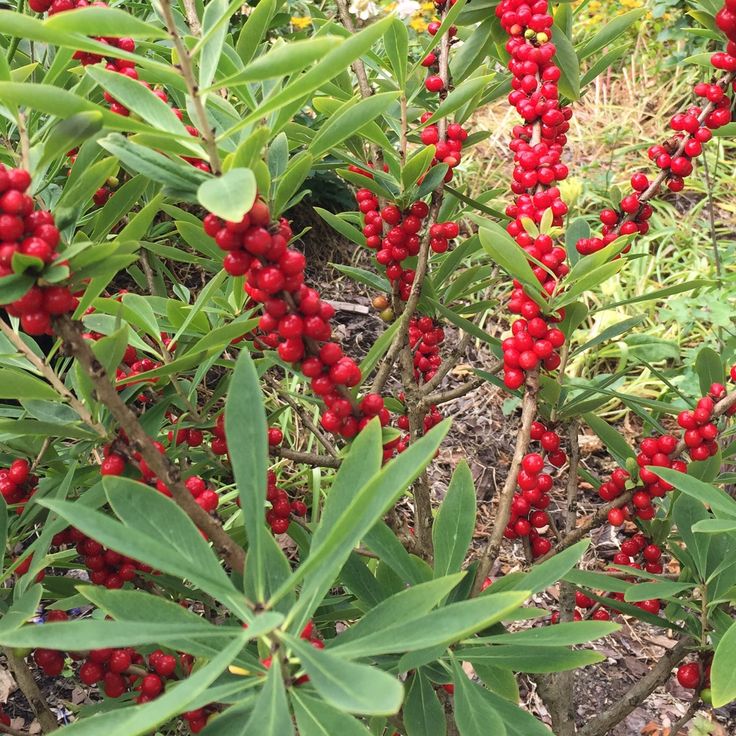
point(688, 675)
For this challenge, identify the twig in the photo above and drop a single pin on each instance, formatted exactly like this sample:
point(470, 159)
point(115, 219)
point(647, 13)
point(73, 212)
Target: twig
point(25, 143)
point(308, 458)
point(687, 715)
point(358, 66)
point(29, 688)
point(638, 692)
point(48, 373)
point(139, 440)
point(442, 397)
point(306, 419)
point(528, 413)
point(192, 18)
point(447, 364)
point(185, 65)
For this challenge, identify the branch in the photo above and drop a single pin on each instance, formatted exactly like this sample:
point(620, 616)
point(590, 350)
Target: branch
point(48, 373)
point(447, 364)
point(687, 715)
point(308, 458)
point(638, 693)
point(358, 66)
point(187, 72)
point(306, 419)
point(528, 412)
point(29, 688)
point(76, 345)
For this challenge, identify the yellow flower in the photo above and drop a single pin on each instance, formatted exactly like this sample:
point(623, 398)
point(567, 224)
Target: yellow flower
point(418, 24)
point(301, 21)
point(428, 7)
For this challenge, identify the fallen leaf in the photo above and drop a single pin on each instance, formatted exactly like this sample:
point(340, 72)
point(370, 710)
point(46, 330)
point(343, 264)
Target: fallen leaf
point(7, 685)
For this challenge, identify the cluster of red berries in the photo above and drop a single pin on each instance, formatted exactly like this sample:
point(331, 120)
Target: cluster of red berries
point(295, 320)
point(653, 451)
point(726, 21)
point(281, 506)
point(639, 553)
point(674, 157)
point(106, 567)
point(59, 6)
point(17, 484)
point(700, 432)
point(447, 150)
point(425, 337)
point(533, 343)
point(30, 232)
point(528, 515)
point(189, 436)
point(397, 445)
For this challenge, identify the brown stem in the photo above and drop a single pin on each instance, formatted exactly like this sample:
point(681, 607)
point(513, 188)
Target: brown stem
point(29, 688)
point(444, 71)
point(192, 18)
point(306, 419)
point(308, 458)
point(358, 66)
point(25, 143)
point(187, 72)
point(638, 692)
point(447, 364)
point(76, 345)
point(442, 397)
point(687, 716)
point(528, 413)
point(48, 373)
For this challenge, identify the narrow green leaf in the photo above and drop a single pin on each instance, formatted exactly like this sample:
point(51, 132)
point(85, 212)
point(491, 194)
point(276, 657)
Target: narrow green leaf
point(254, 29)
point(423, 713)
point(453, 528)
point(709, 367)
point(723, 673)
point(315, 718)
point(271, 715)
point(348, 686)
point(612, 440)
point(474, 714)
point(246, 431)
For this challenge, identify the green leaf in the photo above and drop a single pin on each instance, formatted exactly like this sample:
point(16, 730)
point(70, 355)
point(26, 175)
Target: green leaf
point(344, 228)
point(271, 715)
point(709, 367)
point(229, 196)
point(24, 607)
point(369, 504)
point(246, 431)
point(15, 384)
point(143, 719)
point(14, 286)
point(68, 133)
point(723, 673)
point(462, 94)
point(612, 440)
point(396, 43)
point(664, 589)
point(348, 686)
point(303, 85)
point(567, 60)
point(416, 165)
point(348, 120)
point(292, 179)
point(394, 611)
point(315, 718)
point(610, 31)
point(214, 31)
point(546, 573)
point(620, 328)
point(475, 715)
point(254, 28)
point(564, 634)
point(505, 251)
point(423, 713)
point(160, 535)
point(179, 176)
point(99, 21)
point(441, 627)
point(453, 528)
point(139, 99)
point(705, 493)
point(98, 634)
point(526, 659)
